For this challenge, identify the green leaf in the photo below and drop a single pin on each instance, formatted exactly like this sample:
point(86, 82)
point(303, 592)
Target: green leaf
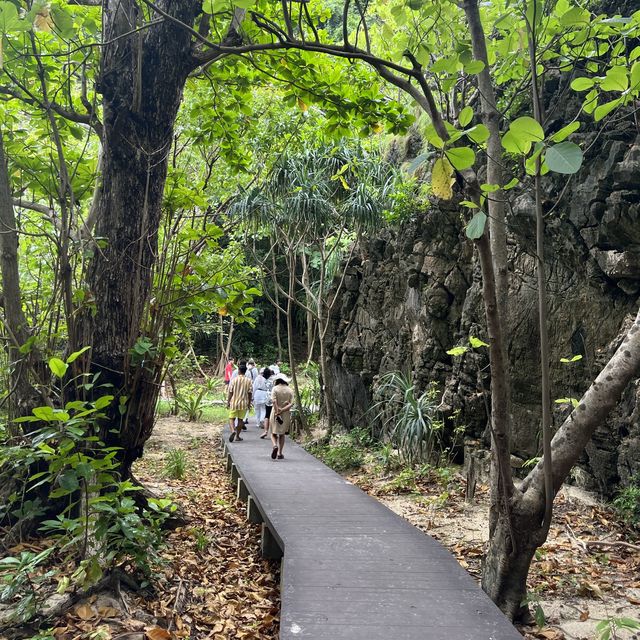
point(478, 134)
point(582, 84)
point(69, 481)
point(243, 4)
point(474, 67)
point(635, 78)
point(9, 18)
point(475, 228)
point(469, 204)
point(605, 109)
point(461, 157)
point(476, 342)
point(574, 402)
point(565, 132)
point(58, 367)
point(574, 16)
point(102, 402)
point(572, 359)
point(76, 354)
point(465, 116)
point(44, 413)
point(616, 79)
point(457, 351)
point(527, 129)
point(565, 157)
point(512, 144)
point(63, 21)
point(512, 183)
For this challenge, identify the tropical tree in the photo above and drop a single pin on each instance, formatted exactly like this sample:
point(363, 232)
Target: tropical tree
point(312, 206)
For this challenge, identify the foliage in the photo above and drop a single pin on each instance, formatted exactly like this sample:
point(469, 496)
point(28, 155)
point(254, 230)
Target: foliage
point(97, 520)
point(191, 401)
point(608, 628)
point(411, 421)
point(175, 465)
point(627, 504)
point(344, 452)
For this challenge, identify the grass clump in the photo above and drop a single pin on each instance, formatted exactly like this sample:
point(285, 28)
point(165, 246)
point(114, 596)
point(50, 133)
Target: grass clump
point(627, 504)
point(176, 464)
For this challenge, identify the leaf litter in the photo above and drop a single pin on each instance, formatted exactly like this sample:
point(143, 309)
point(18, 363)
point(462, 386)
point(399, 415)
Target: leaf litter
point(213, 583)
point(572, 585)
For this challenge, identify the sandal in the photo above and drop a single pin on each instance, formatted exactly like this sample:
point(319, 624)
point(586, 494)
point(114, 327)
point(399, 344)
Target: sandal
point(274, 453)
point(232, 437)
point(280, 457)
point(238, 438)
point(264, 435)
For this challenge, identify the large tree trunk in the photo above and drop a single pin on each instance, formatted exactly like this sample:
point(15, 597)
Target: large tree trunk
point(23, 395)
point(142, 78)
point(506, 566)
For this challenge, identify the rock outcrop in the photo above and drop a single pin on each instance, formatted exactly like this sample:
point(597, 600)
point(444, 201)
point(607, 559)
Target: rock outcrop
point(413, 293)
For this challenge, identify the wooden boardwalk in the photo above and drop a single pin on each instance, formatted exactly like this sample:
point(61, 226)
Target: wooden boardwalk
point(352, 569)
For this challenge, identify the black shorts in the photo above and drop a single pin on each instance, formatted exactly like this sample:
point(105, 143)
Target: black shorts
point(267, 411)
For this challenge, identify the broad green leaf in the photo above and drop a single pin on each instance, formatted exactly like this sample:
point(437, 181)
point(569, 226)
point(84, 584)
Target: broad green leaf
point(527, 129)
point(433, 138)
point(461, 157)
point(574, 16)
point(9, 18)
point(469, 204)
point(565, 132)
point(243, 4)
point(102, 402)
point(58, 367)
point(474, 67)
point(475, 228)
point(512, 183)
point(63, 21)
point(479, 134)
point(616, 79)
point(605, 109)
point(565, 157)
point(476, 342)
point(442, 179)
point(465, 116)
point(69, 480)
point(457, 351)
point(44, 413)
point(76, 354)
point(512, 144)
point(582, 84)
point(489, 188)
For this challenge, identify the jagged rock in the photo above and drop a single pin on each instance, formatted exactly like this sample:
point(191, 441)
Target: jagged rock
point(415, 292)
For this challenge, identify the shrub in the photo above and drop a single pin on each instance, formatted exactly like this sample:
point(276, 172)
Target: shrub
point(410, 420)
point(175, 465)
point(627, 504)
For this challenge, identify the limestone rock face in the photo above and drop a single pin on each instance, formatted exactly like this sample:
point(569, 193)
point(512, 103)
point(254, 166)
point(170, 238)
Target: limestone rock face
point(414, 292)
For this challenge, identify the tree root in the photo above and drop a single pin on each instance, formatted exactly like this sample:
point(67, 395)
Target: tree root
point(108, 584)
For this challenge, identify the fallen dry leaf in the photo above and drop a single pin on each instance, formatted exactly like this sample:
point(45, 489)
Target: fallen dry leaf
point(157, 633)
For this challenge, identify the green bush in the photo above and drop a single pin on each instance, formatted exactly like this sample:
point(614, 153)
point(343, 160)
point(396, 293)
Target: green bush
point(411, 421)
point(175, 465)
point(627, 504)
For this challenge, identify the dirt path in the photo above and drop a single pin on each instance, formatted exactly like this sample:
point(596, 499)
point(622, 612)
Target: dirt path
point(572, 588)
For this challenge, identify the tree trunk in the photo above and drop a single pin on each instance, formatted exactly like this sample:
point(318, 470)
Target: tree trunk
point(142, 78)
point(23, 395)
point(505, 570)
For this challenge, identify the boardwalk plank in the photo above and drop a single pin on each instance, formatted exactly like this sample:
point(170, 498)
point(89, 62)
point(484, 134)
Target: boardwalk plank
point(353, 569)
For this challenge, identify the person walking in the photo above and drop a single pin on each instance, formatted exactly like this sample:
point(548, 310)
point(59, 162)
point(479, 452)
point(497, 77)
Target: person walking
point(266, 375)
point(239, 398)
point(260, 396)
point(282, 402)
point(228, 370)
